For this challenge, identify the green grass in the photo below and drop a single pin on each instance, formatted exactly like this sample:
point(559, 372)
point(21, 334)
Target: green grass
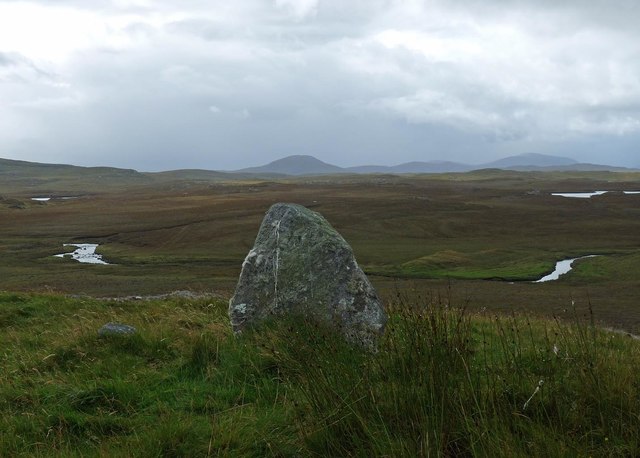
point(443, 382)
point(182, 386)
point(483, 265)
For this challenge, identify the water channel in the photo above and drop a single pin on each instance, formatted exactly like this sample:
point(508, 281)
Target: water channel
point(84, 253)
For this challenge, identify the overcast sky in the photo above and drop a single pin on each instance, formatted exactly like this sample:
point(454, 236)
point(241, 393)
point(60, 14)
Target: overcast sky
point(220, 84)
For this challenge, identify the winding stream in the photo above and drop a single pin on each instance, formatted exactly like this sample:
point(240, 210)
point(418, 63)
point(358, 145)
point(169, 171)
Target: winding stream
point(562, 267)
point(587, 195)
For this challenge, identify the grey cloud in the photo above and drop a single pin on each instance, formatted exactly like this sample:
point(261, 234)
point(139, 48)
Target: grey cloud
point(17, 68)
point(12, 59)
point(6, 59)
point(203, 28)
point(352, 82)
point(587, 13)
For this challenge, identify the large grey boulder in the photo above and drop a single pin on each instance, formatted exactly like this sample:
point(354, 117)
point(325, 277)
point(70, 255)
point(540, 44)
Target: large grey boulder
point(301, 266)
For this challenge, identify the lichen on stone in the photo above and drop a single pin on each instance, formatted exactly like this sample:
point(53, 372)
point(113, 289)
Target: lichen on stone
point(300, 265)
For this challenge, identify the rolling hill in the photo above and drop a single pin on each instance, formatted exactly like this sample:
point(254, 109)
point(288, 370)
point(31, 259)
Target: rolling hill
point(308, 165)
point(49, 179)
point(530, 160)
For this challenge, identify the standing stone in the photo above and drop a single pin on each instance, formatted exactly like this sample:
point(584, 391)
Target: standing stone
point(301, 266)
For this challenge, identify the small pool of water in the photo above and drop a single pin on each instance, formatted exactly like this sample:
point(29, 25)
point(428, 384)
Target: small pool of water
point(562, 267)
point(47, 199)
point(579, 195)
point(587, 195)
point(85, 253)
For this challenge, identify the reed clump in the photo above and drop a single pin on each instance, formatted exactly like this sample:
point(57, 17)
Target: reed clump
point(447, 382)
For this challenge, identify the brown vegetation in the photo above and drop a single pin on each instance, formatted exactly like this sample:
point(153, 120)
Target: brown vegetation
point(473, 234)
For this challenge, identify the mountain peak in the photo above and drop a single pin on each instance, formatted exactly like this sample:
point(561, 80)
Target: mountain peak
point(298, 164)
point(298, 159)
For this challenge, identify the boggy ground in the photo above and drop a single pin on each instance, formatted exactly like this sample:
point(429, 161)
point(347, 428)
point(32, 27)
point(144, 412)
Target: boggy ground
point(476, 237)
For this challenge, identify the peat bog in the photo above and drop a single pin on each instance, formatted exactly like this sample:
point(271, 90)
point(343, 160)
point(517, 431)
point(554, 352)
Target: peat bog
point(481, 236)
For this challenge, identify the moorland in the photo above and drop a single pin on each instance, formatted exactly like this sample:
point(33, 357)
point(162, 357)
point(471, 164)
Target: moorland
point(477, 359)
point(480, 236)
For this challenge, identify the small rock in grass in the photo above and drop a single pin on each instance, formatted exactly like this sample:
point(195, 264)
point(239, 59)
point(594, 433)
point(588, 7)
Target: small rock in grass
point(113, 329)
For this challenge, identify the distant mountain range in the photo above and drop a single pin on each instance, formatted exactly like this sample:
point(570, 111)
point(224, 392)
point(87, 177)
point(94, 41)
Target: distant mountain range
point(46, 179)
point(309, 165)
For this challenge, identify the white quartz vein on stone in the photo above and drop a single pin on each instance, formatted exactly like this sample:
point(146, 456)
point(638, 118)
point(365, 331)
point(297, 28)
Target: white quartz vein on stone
point(276, 264)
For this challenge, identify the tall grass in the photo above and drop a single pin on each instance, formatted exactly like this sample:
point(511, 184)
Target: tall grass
point(442, 382)
point(447, 383)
